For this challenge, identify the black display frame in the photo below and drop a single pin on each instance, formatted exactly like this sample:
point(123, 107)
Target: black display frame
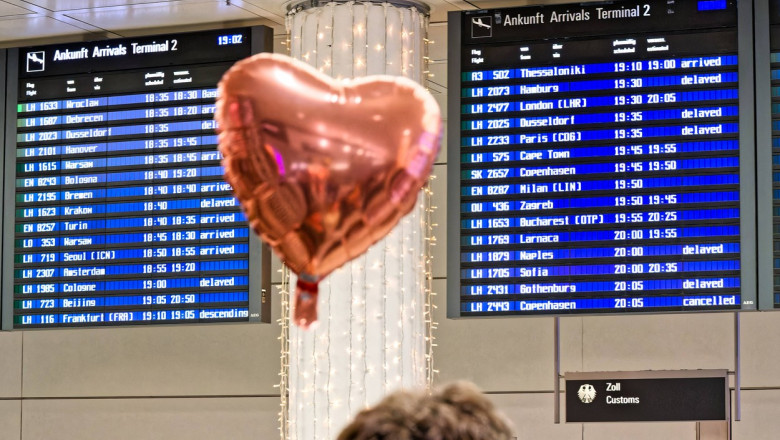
point(747, 161)
point(6, 308)
point(259, 273)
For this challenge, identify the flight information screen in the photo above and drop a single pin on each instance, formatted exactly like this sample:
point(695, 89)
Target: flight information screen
point(120, 214)
point(774, 9)
point(595, 162)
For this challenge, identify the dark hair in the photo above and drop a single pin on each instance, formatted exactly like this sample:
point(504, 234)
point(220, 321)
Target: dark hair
point(457, 411)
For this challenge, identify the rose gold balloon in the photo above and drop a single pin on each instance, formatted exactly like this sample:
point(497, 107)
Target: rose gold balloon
point(323, 169)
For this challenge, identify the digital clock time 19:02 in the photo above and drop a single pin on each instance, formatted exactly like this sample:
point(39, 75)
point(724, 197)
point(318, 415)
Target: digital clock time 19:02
point(224, 40)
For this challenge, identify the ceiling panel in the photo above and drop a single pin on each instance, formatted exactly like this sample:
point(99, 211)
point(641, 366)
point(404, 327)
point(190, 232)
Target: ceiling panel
point(490, 4)
point(440, 8)
point(277, 7)
point(39, 27)
point(67, 5)
point(174, 14)
point(7, 9)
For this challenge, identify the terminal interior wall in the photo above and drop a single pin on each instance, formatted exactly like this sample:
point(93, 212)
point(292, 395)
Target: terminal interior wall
point(218, 381)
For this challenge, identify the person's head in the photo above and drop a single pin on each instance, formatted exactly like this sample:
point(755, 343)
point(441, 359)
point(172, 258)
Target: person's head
point(455, 412)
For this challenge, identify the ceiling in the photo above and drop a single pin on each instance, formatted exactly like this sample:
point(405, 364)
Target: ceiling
point(36, 22)
point(32, 22)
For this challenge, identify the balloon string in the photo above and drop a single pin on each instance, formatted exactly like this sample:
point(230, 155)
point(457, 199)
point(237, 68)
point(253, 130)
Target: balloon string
point(305, 313)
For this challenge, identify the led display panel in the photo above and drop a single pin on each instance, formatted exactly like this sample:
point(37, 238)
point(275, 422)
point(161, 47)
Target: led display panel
point(773, 132)
point(2, 135)
point(597, 159)
point(767, 114)
point(116, 209)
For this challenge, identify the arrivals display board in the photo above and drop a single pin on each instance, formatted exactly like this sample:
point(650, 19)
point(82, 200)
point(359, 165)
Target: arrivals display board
point(116, 210)
point(601, 159)
point(768, 112)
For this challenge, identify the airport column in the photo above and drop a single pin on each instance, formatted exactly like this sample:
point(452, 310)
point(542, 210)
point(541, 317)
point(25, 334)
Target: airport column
point(371, 338)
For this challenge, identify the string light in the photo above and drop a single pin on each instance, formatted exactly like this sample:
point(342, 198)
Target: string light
point(379, 330)
point(430, 242)
point(284, 359)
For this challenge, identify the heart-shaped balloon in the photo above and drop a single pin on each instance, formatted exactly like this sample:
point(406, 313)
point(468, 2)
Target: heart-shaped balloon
point(323, 168)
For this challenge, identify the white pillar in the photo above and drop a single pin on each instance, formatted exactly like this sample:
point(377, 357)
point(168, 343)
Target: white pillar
point(371, 335)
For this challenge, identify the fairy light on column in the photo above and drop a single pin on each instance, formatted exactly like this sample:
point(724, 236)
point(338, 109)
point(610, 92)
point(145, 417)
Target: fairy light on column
point(374, 334)
point(284, 359)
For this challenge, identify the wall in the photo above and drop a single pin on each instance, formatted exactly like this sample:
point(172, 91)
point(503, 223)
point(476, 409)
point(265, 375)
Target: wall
point(207, 382)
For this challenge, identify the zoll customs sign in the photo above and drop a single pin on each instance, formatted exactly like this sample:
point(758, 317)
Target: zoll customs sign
point(647, 396)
